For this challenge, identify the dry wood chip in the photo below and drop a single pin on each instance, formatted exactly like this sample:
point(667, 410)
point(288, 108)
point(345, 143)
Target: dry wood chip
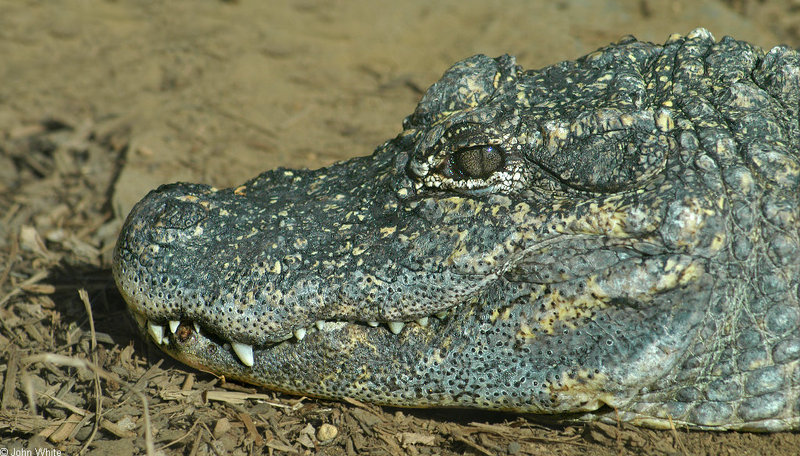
point(25, 423)
point(9, 401)
point(251, 427)
point(221, 427)
point(305, 440)
point(65, 429)
point(391, 443)
point(414, 438)
point(38, 288)
point(276, 445)
point(30, 240)
point(238, 398)
point(366, 418)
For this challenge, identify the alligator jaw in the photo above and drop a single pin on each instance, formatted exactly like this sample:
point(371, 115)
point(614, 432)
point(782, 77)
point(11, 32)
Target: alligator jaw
point(620, 229)
point(176, 333)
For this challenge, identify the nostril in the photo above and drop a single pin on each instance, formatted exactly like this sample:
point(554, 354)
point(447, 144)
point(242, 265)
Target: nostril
point(180, 214)
point(174, 206)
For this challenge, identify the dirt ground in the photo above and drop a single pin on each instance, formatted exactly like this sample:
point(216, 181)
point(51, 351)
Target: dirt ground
point(104, 100)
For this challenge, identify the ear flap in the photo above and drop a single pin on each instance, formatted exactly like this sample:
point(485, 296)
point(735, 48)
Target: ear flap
point(606, 150)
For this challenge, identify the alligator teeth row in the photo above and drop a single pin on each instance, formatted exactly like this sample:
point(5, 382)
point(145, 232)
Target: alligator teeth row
point(157, 331)
point(245, 352)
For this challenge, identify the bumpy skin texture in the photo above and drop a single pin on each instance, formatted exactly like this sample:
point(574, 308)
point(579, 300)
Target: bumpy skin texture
point(614, 237)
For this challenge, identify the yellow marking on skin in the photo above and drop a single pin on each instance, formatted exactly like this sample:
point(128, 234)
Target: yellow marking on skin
point(678, 274)
point(525, 332)
point(718, 242)
point(359, 250)
point(608, 219)
point(691, 273)
point(568, 309)
point(523, 98)
point(460, 248)
point(497, 315)
point(241, 190)
point(519, 212)
point(627, 120)
point(665, 282)
point(496, 80)
point(276, 268)
point(388, 231)
point(344, 227)
point(224, 212)
point(187, 198)
point(198, 231)
point(583, 392)
point(664, 122)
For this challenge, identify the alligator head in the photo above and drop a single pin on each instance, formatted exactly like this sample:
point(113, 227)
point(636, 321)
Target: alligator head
point(550, 241)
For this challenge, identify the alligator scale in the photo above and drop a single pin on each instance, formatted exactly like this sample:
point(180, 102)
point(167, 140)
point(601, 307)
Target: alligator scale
point(616, 237)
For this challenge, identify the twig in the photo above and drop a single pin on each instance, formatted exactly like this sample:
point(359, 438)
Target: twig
point(675, 435)
point(188, 433)
point(62, 360)
point(148, 432)
point(12, 255)
point(98, 390)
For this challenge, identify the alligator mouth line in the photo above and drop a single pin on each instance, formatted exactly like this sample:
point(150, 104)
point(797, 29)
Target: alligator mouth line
point(182, 329)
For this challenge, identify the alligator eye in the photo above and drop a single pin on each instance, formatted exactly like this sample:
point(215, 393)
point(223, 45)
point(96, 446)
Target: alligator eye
point(478, 162)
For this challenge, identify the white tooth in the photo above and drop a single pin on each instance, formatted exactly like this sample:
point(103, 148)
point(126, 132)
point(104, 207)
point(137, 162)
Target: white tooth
point(141, 320)
point(423, 321)
point(441, 314)
point(320, 324)
point(196, 327)
point(373, 323)
point(300, 333)
point(157, 331)
point(396, 326)
point(244, 352)
point(173, 325)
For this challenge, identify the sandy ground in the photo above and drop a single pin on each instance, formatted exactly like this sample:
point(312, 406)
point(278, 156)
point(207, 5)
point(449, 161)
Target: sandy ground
point(102, 101)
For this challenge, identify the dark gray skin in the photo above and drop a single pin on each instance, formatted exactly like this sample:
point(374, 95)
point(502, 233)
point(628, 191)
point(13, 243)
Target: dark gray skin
point(614, 237)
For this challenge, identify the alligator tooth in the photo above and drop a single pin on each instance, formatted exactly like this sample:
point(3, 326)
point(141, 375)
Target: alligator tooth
point(395, 326)
point(196, 327)
point(320, 324)
point(141, 320)
point(173, 325)
point(300, 333)
point(373, 323)
point(423, 321)
point(441, 314)
point(244, 352)
point(157, 331)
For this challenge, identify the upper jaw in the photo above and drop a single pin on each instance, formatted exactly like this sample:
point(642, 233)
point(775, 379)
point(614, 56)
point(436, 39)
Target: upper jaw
point(286, 253)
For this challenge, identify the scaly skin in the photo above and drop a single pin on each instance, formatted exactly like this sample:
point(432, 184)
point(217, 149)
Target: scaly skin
point(617, 232)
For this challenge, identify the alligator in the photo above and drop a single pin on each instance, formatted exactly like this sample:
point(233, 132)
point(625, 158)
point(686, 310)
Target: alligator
point(615, 237)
